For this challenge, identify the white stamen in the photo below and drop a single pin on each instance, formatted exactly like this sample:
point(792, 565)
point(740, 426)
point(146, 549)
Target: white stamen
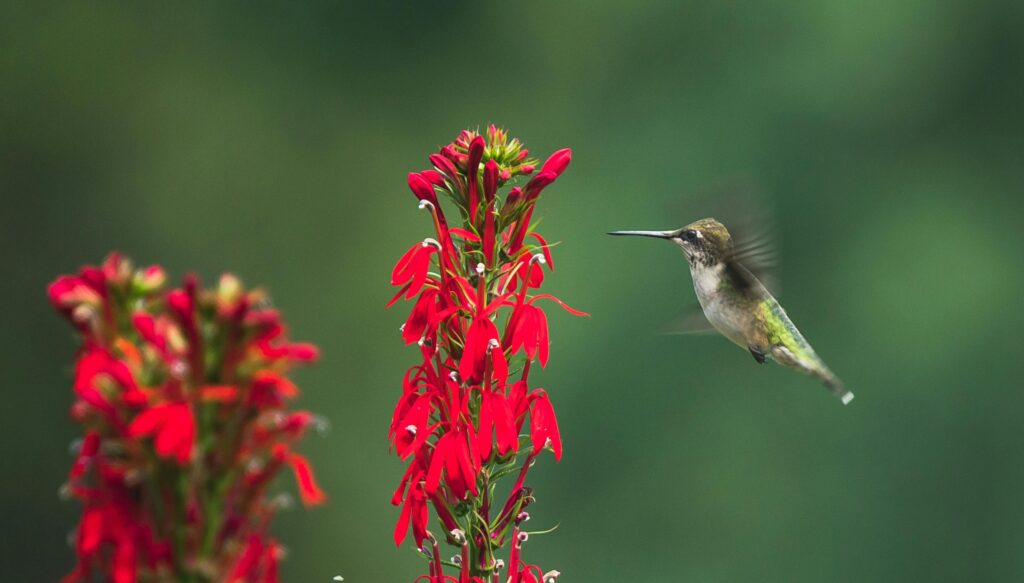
point(480, 268)
point(499, 564)
point(454, 376)
point(411, 429)
point(457, 559)
point(321, 425)
point(523, 516)
point(83, 313)
point(550, 576)
point(428, 241)
point(458, 536)
point(421, 341)
point(523, 537)
point(179, 369)
point(425, 203)
point(493, 343)
point(401, 328)
point(338, 578)
point(539, 258)
point(283, 501)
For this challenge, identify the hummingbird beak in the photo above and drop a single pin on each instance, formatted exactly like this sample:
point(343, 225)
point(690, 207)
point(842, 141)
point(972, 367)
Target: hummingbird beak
point(657, 234)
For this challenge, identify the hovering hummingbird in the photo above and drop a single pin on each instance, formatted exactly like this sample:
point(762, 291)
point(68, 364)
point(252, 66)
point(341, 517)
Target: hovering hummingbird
point(738, 305)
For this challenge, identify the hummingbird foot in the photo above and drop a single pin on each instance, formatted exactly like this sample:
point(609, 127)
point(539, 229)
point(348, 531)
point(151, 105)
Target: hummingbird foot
point(757, 354)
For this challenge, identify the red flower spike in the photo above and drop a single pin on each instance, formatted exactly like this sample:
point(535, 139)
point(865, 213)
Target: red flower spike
point(140, 383)
point(463, 406)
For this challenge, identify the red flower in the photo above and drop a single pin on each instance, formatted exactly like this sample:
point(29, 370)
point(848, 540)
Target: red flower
point(529, 326)
point(476, 153)
point(480, 342)
point(544, 426)
point(308, 488)
point(173, 426)
point(412, 267)
point(414, 512)
point(557, 162)
point(423, 188)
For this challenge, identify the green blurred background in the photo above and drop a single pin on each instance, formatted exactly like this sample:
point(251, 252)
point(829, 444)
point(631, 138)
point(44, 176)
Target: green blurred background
point(273, 140)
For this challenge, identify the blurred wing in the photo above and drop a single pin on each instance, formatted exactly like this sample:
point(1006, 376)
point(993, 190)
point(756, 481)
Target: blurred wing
point(754, 254)
point(691, 323)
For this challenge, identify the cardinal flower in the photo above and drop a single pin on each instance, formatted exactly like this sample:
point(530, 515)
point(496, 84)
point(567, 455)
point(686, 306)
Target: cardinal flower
point(479, 328)
point(184, 399)
point(173, 428)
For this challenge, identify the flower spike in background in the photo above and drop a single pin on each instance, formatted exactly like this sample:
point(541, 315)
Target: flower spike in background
point(183, 397)
point(461, 422)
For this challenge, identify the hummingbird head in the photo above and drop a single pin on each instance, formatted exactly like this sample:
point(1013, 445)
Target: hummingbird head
point(704, 242)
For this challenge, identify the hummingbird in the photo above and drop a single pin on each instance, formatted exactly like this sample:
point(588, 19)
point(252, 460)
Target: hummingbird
point(738, 305)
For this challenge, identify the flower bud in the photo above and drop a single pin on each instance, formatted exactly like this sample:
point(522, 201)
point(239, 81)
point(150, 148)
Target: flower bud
point(422, 188)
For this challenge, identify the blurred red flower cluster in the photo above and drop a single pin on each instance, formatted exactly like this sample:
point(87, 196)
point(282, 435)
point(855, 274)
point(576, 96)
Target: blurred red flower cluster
point(479, 324)
point(183, 397)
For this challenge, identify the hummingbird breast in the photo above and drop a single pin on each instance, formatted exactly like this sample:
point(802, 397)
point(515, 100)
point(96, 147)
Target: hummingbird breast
point(732, 312)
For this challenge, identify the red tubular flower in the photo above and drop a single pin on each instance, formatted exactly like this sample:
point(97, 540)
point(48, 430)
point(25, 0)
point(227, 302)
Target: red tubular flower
point(490, 189)
point(482, 332)
point(476, 152)
point(529, 326)
point(462, 409)
point(423, 319)
point(557, 162)
point(412, 267)
point(184, 395)
point(172, 425)
point(422, 187)
point(309, 490)
point(544, 426)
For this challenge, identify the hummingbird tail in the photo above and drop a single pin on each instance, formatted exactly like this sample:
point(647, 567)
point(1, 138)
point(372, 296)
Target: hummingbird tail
point(833, 384)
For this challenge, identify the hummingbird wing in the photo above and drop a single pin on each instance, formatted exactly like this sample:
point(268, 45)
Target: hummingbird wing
point(694, 322)
point(754, 257)
point(744, 279)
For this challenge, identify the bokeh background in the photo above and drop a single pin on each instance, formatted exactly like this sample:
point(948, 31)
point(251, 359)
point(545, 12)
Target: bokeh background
point(273, 140)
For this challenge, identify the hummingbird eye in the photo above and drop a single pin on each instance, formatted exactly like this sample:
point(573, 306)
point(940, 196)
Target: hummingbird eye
point(690, 235)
